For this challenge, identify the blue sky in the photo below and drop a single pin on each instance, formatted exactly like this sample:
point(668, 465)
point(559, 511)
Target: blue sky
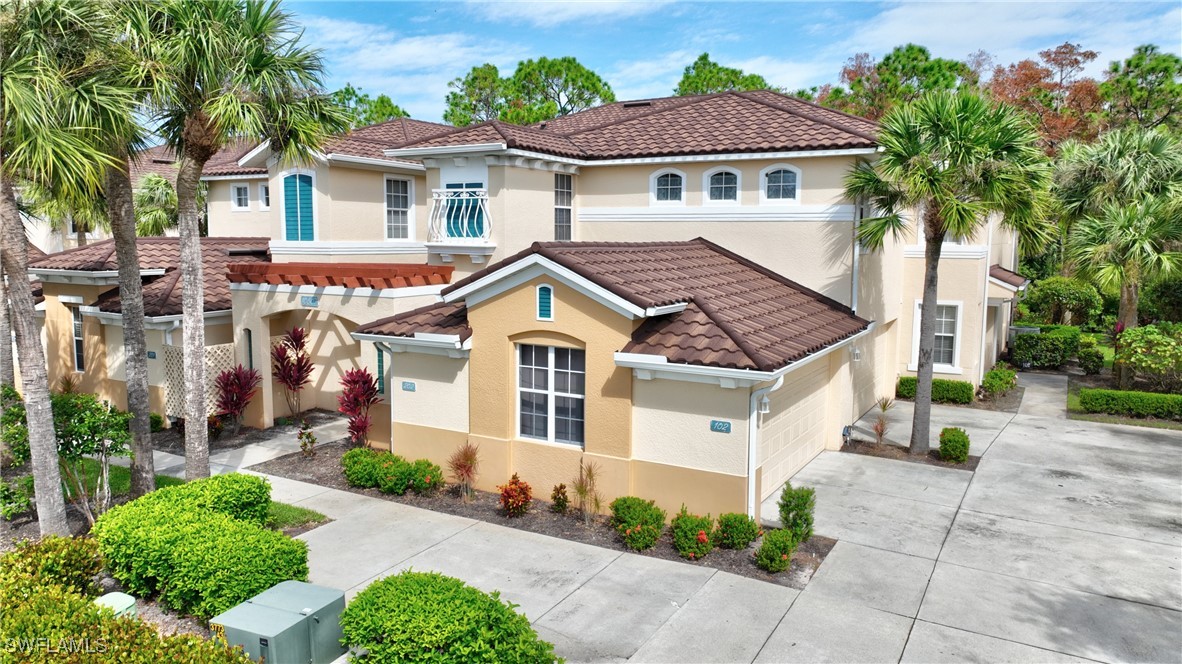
point(410, 50)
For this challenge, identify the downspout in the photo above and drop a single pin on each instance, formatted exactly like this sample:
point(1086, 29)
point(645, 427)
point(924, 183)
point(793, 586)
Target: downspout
point(857, 254)
point(985, 305)
point(753, 440)
point(169, 330)
point(384, 347)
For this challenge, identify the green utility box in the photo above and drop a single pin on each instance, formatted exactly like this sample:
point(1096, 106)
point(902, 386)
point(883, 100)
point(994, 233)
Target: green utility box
point(291, 623)
point(121, 603)
point(265, 633)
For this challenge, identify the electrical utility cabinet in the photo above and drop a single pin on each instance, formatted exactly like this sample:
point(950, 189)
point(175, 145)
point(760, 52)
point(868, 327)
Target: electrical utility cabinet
point(292, 622)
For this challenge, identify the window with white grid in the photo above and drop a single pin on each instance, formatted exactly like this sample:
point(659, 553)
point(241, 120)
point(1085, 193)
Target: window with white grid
point(551, 388)
point(945, 350)
point(397, 209)
point(564, 191)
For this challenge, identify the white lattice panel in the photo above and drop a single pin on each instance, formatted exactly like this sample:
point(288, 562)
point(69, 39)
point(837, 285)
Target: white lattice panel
point(217, 359)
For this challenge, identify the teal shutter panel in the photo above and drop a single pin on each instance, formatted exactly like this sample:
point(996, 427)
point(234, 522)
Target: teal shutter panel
point(306, 208)
point(381, 372)
point(291, 213)
point(544, 306)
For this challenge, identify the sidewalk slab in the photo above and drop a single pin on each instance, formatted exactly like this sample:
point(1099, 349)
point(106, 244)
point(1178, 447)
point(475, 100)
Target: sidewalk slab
point(1045, 395)
point(1052, 617)
point(818, 629)
point(930, 642)
point(878, 579)
point(614, 613)
point(289, 491)
point(983, 426)
point(728, 620)
point(1104, 564)
point(891, 477)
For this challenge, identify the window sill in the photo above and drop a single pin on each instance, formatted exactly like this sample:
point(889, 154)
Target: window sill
point(550, 443)
point(945, 369)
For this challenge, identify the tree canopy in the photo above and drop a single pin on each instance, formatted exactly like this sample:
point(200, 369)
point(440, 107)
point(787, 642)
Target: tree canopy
point(538, 90)
point(1145, 90)
point(1052, 91)
point(873, 87)
point(704, 76)
point(364, 110)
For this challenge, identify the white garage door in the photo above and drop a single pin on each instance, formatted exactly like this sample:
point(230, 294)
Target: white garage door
point(793, 432)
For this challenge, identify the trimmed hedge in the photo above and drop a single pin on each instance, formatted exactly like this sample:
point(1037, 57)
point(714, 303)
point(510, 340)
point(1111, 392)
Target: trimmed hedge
point(692, 534)
point(198, 545)
point(368, 468)
point(639, 522)
point(998, 381)
point(943, 390)
point(736, 530)
point(775, 553)
point(954, 445)
point(796, 511)
point(1091, 360)
point(1048, 350)
point(47, 616)
point(428, 617)
point(1131, 404)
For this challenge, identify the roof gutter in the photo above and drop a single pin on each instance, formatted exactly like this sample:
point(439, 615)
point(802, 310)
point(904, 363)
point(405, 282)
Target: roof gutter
point(166, 323)
point(441, 344)
point(370, 161)
point(672, 159)
point(86, 276)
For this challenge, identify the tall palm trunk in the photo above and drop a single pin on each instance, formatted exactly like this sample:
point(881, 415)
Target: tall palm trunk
point(196, 435)
point(121, 212)
point(7, 370)
point(1127, 316)
point(921, 423)
point(47, 482)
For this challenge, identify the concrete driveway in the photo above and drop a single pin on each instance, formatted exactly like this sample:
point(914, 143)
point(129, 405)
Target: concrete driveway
point(1065, 544)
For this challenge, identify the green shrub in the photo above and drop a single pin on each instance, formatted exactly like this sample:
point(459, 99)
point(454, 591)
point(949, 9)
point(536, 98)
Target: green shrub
point(70, 562)
point(1052, 298)
point(998, 381)
point(775, 553)
point(156, 422)
point(426, 477)
point(16, 497)
point(13, 430)
point(361, 467)
point(796, 511)
point(1162, 299)
point(954, 445)
point(245, 497)
point(1154, 353)
point(1048, 350)
point(559, 501)
point(1087, 341)
point(735, 531)
point(692, 534)
point(395, 474)
point(516, 497)
point(1091, 360)
point(1131, 404)
point(428, 617)
point(639, 522)
point(943, 390)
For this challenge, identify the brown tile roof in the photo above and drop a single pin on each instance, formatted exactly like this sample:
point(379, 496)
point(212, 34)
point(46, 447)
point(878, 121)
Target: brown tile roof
point(399, 130)
point(1007, 276)
point(162, 295)
point(725, 122)
point(225, 162)
point(432, 319)
point(738, 314)
point(159, 160)
point(347, 275)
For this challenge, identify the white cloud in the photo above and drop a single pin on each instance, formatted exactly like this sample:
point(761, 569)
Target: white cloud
point(558, 12)
point(649, 77)
point(785, 73)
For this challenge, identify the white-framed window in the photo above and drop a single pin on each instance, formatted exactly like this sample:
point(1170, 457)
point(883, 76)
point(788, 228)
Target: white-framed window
point(946, 351)
point(264, 196)
point(79, 341)
point(721, 186)
point(564, 197)
point(667, 187)
point(239, 197)
point(399, 211)
point(545, 302)
point(779, 184)
point(551, 385)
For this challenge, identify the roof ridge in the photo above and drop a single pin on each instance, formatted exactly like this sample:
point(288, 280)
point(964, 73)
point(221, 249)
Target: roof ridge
point(689, 101)
point(808, 116)
point(715, 316)
point(547, 252)
point(828, 109)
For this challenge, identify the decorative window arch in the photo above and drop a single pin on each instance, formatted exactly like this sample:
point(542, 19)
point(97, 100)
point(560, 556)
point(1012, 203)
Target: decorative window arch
point(545, 302)
point(779, 184)
point(667, 187)
point(722, 186)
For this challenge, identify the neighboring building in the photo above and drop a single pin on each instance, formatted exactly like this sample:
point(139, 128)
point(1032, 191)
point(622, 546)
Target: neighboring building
point(387, 216)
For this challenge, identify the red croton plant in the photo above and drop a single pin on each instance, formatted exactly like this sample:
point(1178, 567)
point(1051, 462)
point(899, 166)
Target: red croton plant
point(292, 367)
point(236, 387)
point(359, 392)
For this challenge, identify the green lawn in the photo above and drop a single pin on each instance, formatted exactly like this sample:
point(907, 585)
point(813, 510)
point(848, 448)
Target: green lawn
point(120, 478)
point(281, 516)
point(1109, 353)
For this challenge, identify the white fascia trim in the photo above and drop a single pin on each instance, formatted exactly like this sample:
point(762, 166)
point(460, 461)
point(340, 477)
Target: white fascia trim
point(299, 248)
point(969, 251)
point(256, 152)
point(336, 157)
point(434, 344)
point(96, 277)
point(1010, 287)
point(340, 291)
point(647, 367)
point(514, 152)
point(534, 265)
point(733, 156)
point(445, 150)
point(154, 322)
point(247, 176)
point(711, 213)
point(675, 308)
point(70, 299)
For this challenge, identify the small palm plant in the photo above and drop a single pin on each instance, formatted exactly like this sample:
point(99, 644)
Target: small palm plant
point(588, 499)
point(463, 464)
point(881, 424)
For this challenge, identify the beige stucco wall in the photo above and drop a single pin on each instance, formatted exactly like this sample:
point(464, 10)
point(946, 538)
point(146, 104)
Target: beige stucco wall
point(440, 396)
point(227, 222)
point(961, 281)
point(671, 425)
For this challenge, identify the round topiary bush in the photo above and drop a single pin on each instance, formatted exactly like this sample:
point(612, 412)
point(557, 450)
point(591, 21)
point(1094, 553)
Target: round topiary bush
point(1091, 360)
point(639, 522)
point(736, 531)
point(775, 553)
point(693, 535)
point(954, 445)
point(428, 617)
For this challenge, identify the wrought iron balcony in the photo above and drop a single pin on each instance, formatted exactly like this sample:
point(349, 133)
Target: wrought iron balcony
point(459, 216)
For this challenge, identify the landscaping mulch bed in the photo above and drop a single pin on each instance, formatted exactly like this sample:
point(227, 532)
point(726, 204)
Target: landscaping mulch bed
point(169, 440)
point(888, 451)
point(26, 526)
point(1008, 403)
point(325, 469)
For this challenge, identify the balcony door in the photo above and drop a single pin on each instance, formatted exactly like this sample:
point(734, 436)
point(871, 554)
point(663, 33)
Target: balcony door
point(465, 213)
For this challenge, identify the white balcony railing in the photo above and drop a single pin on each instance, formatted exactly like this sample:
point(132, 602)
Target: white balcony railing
point(459, 216)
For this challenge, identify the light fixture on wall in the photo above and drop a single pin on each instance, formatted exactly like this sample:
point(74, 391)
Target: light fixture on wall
point(856, 353)
point(765, 405)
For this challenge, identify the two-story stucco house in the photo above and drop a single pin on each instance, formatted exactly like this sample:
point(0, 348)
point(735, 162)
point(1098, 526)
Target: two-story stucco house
point(671, 288)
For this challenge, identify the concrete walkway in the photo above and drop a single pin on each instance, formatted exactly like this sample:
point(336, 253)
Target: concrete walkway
point(1045, 395)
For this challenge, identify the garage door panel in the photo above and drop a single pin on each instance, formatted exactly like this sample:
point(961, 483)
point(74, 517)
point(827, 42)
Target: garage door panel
point(794, 432)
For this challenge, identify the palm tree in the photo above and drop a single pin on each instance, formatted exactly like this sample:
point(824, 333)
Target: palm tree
point(49, 105)
point(156, 205)
point(224, 70)
point(953, 160)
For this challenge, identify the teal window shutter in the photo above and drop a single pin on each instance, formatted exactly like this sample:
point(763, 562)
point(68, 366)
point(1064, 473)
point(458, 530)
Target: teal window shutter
point(297, 207)
point(306, 208)
point(381, 370)
point(545, 303)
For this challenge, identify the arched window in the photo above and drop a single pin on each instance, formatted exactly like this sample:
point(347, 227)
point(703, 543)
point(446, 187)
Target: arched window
point(779, 184)
point(723, 186)
point(669, 187)
point(545, 302)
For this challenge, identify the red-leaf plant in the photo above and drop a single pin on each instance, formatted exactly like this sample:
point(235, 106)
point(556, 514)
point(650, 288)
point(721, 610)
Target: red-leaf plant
point(291, 366)
point(359, 391)
point(236, 387)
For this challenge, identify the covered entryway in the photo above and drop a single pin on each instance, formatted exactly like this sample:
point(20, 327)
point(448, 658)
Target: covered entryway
point(794, 431)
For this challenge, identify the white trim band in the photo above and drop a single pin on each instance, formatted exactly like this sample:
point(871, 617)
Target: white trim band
point(774, 213)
